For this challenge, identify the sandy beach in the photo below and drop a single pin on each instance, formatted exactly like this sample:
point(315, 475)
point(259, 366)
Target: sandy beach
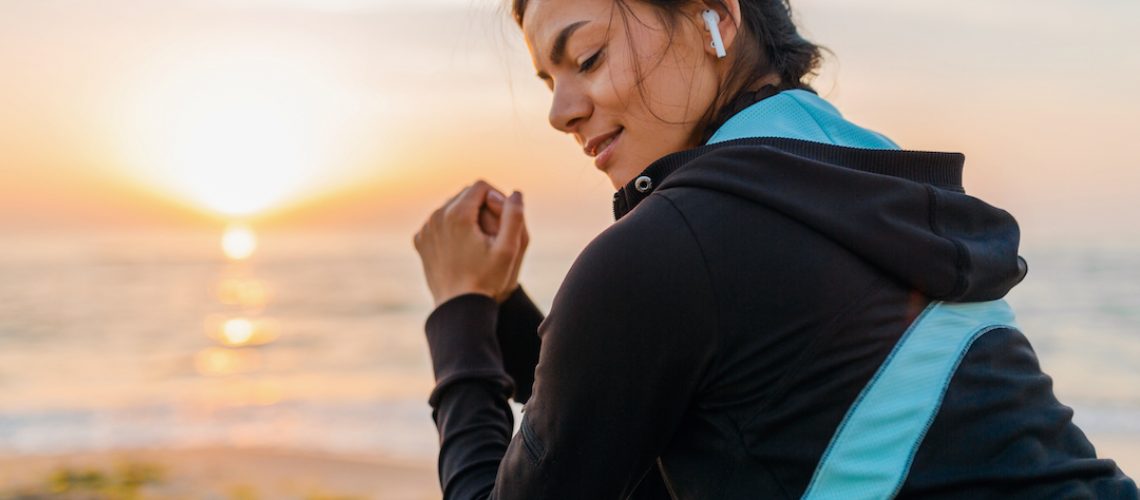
point(237, 474)
point(246, 474)
point(269, 474)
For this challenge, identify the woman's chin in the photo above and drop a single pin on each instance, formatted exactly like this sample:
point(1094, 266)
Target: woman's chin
point(619, 177)
point(623, 171)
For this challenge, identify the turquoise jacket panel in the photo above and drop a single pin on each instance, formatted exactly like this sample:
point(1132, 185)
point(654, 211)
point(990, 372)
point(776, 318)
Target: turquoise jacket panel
point(799, 114)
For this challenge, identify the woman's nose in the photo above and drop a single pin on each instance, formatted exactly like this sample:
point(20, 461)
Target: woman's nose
point(569, 107)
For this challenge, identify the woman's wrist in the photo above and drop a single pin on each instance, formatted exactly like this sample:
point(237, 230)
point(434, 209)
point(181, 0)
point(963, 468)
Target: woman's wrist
point(506, 294)
point(451, 294)
point(499, 297)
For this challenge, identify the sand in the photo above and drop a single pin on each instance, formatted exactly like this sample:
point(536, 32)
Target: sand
point(242, 473)
point(249, 474)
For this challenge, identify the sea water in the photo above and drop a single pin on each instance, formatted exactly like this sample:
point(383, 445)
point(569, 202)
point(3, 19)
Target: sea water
point(316, 342)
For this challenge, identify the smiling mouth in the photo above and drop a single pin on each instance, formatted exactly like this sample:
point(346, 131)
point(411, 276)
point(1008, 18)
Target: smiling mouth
point(605, 149)
point(597, 145)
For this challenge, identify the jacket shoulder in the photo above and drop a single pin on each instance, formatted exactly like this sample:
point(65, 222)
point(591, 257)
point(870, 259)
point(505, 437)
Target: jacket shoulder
point(652, 251)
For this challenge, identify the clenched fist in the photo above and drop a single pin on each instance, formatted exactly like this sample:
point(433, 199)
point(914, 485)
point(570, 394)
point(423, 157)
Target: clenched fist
point(474, 243)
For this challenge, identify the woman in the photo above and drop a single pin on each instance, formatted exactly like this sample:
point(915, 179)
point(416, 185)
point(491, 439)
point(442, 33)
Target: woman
point(773, 313)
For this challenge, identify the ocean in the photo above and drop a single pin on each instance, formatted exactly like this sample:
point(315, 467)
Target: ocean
point(316, 342)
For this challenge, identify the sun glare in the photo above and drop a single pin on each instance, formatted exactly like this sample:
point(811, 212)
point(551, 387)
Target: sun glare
point(239, 242)
point(237, 331)
point(238, 132)
point(223, 361)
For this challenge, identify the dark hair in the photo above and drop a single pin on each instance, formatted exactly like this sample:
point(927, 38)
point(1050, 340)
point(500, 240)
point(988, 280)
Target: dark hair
point(768, 43)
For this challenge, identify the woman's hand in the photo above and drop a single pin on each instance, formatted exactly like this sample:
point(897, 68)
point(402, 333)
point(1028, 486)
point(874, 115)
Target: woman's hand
point(460, 257)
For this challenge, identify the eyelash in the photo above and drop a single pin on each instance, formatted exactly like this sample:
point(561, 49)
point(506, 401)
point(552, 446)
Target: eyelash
point(584, 67)
point(589, 63)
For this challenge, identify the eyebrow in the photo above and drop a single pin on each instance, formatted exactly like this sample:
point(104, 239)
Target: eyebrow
point(559, 49)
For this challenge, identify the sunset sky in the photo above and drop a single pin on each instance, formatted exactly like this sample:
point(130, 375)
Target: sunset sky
point(136, 114)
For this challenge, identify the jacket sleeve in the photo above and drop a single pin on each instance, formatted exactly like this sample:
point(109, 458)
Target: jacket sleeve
point(624, 351)
point(517, 331)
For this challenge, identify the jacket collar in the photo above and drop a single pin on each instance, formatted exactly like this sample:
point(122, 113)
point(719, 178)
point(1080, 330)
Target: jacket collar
point(643, 185)
point(791, 114)
point(942, 170)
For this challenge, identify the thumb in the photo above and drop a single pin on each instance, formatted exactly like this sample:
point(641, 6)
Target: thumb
point(511, 225)
point(495, 201)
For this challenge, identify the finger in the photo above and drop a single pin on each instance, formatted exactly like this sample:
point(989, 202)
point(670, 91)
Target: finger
point(491, 212)
point(475, 196)
point(495, 201)
point(488, 221)
point(436, 218)
point(466, 206)
point(516, 263)
point(455, 197)
point(511, 225)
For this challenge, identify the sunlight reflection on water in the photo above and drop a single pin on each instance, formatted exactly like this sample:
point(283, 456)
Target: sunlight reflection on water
point(317, 342)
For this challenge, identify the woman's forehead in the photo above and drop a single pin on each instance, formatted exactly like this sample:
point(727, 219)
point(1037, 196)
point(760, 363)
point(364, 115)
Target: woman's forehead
point(545, 22)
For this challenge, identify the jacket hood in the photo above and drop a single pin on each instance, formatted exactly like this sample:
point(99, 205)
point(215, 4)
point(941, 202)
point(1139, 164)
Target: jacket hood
point(903, 211)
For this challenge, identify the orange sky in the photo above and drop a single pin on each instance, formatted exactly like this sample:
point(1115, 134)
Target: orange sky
point(381, 110)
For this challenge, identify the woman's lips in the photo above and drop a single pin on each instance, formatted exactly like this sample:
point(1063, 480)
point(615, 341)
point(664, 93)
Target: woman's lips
point(607, 150)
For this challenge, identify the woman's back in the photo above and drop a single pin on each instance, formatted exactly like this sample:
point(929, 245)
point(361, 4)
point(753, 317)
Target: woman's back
point(805, 321)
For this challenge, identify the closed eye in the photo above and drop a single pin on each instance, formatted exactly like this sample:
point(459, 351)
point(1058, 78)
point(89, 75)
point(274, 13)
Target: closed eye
point(589, 63)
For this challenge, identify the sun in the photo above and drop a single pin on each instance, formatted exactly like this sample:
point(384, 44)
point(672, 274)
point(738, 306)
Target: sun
point(237, 132)
point(239, 242)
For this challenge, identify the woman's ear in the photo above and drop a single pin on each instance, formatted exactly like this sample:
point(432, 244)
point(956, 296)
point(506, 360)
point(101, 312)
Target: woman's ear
point(729, 13)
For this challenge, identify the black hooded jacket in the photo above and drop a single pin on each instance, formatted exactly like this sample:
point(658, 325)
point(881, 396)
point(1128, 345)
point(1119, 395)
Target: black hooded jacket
point(709, 342)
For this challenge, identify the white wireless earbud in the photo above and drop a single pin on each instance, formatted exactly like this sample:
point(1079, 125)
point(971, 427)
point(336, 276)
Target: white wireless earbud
point(712, 20)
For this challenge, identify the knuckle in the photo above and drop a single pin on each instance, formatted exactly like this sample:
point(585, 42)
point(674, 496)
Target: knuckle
point(450, 213)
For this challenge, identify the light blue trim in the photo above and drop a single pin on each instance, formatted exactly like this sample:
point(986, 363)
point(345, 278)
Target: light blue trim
point(871, 452)
point(799, 114)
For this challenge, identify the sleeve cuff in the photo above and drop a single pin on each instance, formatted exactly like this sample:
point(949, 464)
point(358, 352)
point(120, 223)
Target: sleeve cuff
point(517, 330)
point(517, 302)
point(463, 345)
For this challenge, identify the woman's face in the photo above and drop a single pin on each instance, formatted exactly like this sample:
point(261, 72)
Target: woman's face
point(591, 59)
